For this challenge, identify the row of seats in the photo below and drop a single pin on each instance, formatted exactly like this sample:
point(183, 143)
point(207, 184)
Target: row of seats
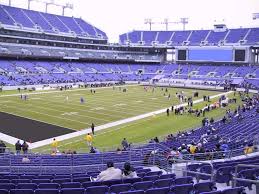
point(204, 188)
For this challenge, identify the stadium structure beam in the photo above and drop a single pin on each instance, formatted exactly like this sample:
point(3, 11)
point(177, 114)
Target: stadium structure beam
point(255, 16)
point(51, 2)
point(166, 21)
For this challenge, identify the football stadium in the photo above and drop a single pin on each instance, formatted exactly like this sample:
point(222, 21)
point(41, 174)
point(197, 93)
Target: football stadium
point(95, 101)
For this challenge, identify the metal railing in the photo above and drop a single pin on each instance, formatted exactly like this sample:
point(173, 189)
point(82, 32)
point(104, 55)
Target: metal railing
point(236, 178)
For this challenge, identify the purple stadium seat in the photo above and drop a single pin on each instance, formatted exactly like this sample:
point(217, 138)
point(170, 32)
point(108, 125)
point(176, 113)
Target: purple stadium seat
point(38, 181)
point(48, 186)
point(183, 180)
point(163, 190)
point(70, 185)
point(97, 189)
point(72, 191)
point(183, 189)
point(7, 186)
point(133, 192)
point(204, 187)
point(236, 190)
point(32, 186)
point(4, 191)
point(163, 182)
point(150, 178)
point(144, 185)
point(120, 188)
point(22, 191)
point(132, 180)
point(46, 191)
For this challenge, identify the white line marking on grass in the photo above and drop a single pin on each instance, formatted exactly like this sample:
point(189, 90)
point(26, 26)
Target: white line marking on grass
point(97, 108)
point(139, 101)
point(70, 113)
point(35, 98)
point(153, 98)
point(73, 90)
point(120, 104)
point(113, 124)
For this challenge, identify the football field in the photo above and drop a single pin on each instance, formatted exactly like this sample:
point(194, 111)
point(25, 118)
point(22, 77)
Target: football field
point(64, 109)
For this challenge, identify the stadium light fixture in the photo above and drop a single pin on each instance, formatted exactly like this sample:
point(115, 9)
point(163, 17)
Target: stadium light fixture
point(166, 21)
point(51, 2)
point(149, 21)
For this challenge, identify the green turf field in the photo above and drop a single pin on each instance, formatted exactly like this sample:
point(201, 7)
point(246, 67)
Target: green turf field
point(107, 105)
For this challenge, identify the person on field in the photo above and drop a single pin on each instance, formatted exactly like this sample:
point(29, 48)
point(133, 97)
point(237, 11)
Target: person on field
point(89, 139)
point(92, 127)
point(54, 145)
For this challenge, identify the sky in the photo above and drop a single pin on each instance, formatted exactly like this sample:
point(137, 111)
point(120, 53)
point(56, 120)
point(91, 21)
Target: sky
point(116, 17)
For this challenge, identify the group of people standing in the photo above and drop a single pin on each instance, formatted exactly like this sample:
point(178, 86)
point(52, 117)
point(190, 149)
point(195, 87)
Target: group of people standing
point(21, 147)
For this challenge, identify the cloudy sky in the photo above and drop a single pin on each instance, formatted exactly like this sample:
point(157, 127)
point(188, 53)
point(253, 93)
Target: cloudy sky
point(119, 16)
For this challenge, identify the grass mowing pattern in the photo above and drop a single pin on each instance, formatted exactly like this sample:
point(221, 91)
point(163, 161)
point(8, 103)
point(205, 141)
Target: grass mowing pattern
point(105, 106)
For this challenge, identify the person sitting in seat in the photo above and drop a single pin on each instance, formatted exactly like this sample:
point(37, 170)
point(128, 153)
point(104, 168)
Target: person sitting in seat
point(110, 173)
point(128, 171)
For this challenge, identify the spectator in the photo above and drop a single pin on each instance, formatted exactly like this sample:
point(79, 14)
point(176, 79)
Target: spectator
point(89, 139)
point(249, 148)
point(125, 144)
point(156, 140)
point(193, 148)
point(25, 147)
point(18, 147)
point(2, 147)
point(110, 173)
point(128, 171)
point(92, 150)
point(25, 159)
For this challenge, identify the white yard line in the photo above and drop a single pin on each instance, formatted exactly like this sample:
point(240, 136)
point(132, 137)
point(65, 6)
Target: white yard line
point(113, 124)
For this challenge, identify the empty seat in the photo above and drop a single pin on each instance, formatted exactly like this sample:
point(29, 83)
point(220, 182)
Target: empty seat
point(66, 180)
point(120, 188)
point(46, 191)
point(183, 189)
point(132, 180)
point(81, 179)
point(48, 186)
point(17, 181)
point(111, 182)
point(32, 186)
point(163, 190)
point(38, 181)
point(224, 174)
point(22, 191)
point(204, 187)
point(72, 191)
point(167, 176)
point(150, 178)
point(143, 185)
point(163, 182)
point(97, 189)
point(7, 186)
point(45, 177)
point(71, 185)
point(183, 180)
point(5, 181)
point(133, 192)
point(4, 191)
point(154, 173)
point(236, 190)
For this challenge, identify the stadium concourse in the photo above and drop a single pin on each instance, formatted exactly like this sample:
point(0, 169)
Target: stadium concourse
point(177, 110)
